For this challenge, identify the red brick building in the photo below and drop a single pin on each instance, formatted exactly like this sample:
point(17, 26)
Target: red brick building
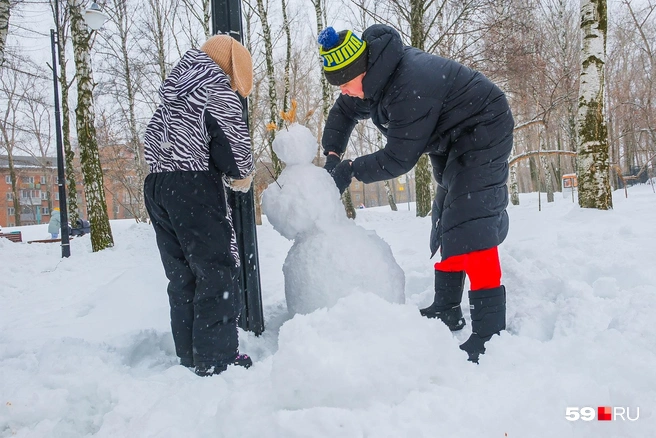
point(38, 193)
point(36, 185)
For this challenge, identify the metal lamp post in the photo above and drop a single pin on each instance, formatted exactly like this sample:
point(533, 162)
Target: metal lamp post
point(226, 19)
point(94, 19)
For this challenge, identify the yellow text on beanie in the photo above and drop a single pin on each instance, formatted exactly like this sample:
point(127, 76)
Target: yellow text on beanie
point(344, 55)
point(234, 59)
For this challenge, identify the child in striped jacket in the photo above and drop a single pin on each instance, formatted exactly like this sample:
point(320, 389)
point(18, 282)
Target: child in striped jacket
point(197, 146)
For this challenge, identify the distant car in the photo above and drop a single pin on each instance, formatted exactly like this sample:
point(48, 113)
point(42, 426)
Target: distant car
point(81, 228)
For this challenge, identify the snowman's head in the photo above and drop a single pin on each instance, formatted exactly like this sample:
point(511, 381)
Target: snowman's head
point(295, 145)
point(305, 196)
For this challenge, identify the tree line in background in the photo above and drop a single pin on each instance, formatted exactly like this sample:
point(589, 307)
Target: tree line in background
point(531, 48)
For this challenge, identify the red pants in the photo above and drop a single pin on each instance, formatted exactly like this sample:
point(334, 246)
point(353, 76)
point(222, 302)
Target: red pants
point(482, 267)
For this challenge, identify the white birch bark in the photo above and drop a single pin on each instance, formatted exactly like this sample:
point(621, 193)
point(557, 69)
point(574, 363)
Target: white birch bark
point(5, 12)
point(548, 180)
point(514, 186)
point(94, 188)
point(126, 83)
point(593, 161)
point(271, 77)
point(69, 154)
point(390, 196)
point(288, 56)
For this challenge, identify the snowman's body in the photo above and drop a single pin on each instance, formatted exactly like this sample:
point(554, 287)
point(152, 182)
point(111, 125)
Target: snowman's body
point(331, 256)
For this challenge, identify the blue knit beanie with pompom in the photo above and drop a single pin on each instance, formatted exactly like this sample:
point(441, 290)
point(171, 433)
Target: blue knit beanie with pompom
point(344, 55)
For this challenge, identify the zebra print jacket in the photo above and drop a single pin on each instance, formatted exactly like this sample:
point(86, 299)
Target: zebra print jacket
point(199, 121)
point(199, 125)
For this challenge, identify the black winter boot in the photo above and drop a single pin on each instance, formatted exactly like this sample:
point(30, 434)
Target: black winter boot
point(187, 362)
point(242, 360)
point(488, 314)
point(448, 295)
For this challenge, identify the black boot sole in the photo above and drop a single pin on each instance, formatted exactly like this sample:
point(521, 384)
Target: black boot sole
point(454, 323)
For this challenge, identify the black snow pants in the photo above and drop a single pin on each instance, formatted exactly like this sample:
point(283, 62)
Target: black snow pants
point(189, 213)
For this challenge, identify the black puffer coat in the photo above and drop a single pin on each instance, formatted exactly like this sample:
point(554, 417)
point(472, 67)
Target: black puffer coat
point(426, 104)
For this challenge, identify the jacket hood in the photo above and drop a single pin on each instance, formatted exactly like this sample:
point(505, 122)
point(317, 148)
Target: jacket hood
point(385, 50)
point(194, 70)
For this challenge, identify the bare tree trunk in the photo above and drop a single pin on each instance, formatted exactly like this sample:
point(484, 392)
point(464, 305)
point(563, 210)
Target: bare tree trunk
point(593, 163)
point(8, 128)
point(389, 191)
point(94, 188)
point(69, 154)
point(5, 13)
point(288, 56)
point(36, 111)
point(326, 94)
point(156, 30)
point(348, 204)
point(390, 196)
point(203, 17)
point(422, 186)
point(14, 188)
point(258, 187)
point(128, 102)
point(548, 181)
point(422, 168)
point(271, 77)
point(327, 102)
point(514, 187)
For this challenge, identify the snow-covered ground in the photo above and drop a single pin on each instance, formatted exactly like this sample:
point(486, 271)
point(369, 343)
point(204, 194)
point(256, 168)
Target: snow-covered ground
point(85, 346)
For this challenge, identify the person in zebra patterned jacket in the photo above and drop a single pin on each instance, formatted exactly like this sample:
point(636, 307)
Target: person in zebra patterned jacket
point(197, 145)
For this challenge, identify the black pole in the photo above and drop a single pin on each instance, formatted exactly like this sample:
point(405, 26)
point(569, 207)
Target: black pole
point(226, 19)
point(61, 176)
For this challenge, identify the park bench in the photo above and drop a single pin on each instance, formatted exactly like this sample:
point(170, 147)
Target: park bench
point(14, 236)
point(47, 240)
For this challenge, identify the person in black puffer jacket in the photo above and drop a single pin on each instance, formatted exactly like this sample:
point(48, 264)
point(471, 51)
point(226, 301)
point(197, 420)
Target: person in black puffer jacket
point(197, 144)
point(426, 104)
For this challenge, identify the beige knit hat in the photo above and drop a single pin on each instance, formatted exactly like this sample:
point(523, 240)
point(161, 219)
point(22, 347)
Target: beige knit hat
point(234, 60)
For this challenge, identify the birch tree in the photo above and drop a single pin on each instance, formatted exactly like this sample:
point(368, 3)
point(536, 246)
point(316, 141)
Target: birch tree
point(9, 128)
point(423, 181)
point(548, 180)
point(101, 232)
point(124, 84)
point(274, 118)
point(37, 116)
point(643, 101)
point(389, 191)
point(5, 13)
point(593, 161)
point(288, 55)
point(61, 17)
point(197, 12)
point(326, 93)
point(154, 35)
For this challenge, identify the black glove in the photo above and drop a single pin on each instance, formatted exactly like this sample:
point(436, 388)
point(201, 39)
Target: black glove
point(343, 174)
point(331, 162)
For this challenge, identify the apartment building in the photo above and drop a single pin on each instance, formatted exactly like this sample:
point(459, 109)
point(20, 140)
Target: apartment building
point(36, 184)
point(38, 193)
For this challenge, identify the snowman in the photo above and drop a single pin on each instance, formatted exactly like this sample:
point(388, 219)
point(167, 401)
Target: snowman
point(331, 257)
